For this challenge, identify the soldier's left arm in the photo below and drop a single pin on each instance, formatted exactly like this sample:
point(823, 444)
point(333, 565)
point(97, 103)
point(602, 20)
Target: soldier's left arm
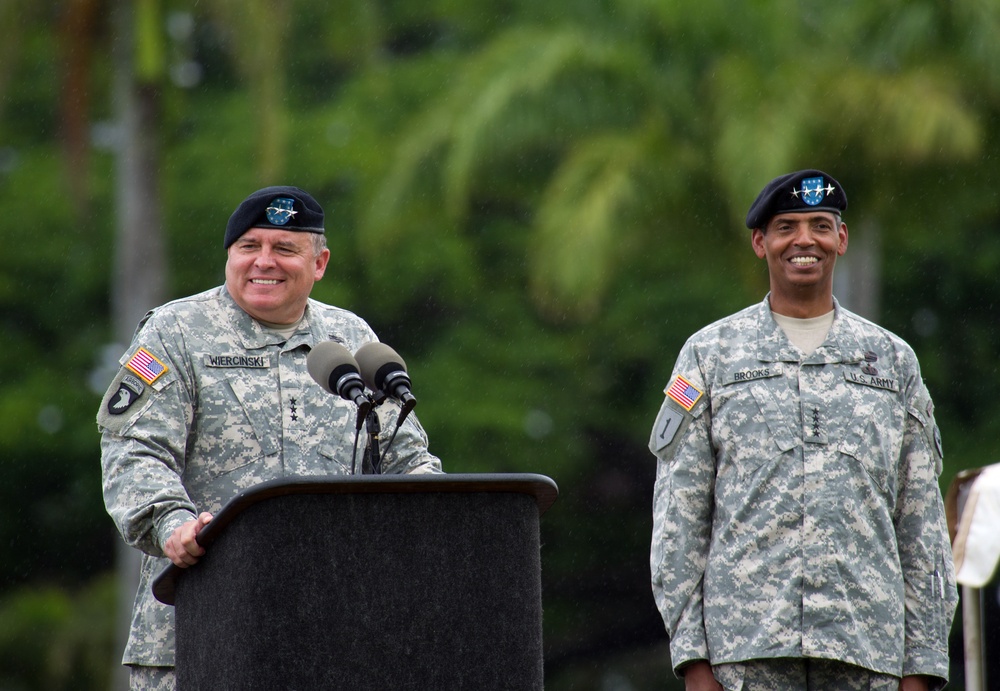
point(924, 548)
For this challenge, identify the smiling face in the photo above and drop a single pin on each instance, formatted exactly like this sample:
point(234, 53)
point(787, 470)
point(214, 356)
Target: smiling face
point(801, 250)
point(270, 273)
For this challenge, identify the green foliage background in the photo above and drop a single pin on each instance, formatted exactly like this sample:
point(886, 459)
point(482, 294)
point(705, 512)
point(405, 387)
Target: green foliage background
point(534, 203)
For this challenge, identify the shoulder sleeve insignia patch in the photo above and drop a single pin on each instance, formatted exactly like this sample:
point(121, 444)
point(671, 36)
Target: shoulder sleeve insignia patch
point(668, 422)
point(682, 391)
point(129, 391)
point(145, 364)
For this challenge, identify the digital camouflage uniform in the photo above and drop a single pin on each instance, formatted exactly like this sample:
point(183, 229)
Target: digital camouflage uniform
point(207, 404)
point(796, 509)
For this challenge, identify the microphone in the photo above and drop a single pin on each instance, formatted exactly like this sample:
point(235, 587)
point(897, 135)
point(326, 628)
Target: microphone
point(335, 369)
point(383, 370)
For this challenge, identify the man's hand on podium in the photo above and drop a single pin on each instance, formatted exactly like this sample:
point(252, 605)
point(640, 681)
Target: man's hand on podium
point(182, 547)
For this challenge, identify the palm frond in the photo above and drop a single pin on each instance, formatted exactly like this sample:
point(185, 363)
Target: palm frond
point(506, 92)
point(582, 222)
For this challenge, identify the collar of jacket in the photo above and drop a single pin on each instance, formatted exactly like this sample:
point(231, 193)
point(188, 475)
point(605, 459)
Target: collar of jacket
point(841, 344)
point(252, 333)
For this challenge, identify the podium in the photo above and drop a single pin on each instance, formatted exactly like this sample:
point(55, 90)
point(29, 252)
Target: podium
point(366, 582)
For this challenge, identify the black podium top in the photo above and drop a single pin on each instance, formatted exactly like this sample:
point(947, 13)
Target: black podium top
point(542, 488)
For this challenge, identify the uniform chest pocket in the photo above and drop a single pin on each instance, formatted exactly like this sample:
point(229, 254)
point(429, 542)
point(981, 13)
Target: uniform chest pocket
point(748, 425)
point(339, 440)
point(234, 428)
point(875, 435)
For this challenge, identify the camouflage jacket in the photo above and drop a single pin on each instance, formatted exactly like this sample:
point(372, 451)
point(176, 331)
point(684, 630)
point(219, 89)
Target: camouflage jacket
point(208, 403)
point(796, 510)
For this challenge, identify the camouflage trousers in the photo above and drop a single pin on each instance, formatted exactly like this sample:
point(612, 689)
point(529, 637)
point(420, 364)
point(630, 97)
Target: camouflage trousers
point(801, 674)
point(142, 678)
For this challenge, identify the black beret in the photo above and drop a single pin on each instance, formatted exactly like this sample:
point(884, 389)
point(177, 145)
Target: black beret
point(283, 208)
point(806, 190)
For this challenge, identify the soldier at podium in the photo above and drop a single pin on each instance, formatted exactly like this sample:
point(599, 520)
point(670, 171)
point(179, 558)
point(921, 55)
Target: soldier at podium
point(213, 396)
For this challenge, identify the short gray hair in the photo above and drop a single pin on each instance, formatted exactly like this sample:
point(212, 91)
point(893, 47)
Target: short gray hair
point(319, 243)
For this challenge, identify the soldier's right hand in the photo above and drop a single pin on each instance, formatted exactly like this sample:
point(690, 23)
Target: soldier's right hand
point(182, 547)
point(698, 677)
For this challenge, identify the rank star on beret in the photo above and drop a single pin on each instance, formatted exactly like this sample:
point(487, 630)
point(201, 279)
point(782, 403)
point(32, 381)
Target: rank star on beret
point(280, 207)
point(805, 190)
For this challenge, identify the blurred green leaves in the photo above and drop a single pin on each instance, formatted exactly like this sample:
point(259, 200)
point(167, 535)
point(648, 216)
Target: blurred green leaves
point(534, 203)
point(53, 641)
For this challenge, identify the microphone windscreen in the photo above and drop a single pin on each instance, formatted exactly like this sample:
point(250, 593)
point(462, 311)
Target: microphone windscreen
point(372, 357)
point(324, 359)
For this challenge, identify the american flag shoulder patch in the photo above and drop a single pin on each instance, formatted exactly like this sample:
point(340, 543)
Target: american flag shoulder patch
point(145, 364)
point(682, 391)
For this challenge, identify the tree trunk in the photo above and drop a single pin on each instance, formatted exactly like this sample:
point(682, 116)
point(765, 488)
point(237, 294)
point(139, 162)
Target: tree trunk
point(140, 269)
point(858, 279)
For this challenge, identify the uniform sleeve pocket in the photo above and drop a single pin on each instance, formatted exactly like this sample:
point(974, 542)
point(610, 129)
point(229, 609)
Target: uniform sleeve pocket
point(663, 532)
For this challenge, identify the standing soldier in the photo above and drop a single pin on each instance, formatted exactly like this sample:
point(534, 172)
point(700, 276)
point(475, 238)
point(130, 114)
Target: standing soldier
point(799, 537)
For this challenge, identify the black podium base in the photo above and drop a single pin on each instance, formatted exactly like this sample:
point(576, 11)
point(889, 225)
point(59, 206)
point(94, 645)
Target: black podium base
point(411, 590)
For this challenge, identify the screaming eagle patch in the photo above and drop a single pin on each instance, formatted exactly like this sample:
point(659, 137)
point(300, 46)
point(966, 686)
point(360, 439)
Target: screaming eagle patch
point(129, 391)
